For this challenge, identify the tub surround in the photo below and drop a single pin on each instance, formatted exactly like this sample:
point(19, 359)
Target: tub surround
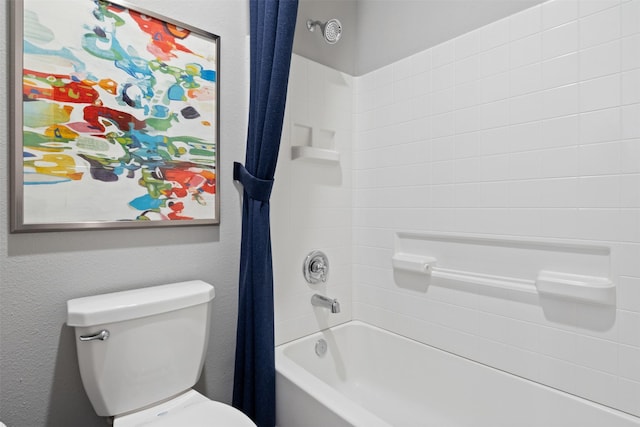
point(524, 130)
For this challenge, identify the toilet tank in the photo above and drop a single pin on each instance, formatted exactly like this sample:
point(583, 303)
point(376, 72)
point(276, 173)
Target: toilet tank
point(156, 345)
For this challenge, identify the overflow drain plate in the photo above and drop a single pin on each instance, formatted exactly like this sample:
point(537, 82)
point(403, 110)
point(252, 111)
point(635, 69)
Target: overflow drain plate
point(321, 347)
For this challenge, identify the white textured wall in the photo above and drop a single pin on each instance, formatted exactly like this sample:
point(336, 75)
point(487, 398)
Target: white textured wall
point(526, 128)
point(39, 379)
point(311, 200)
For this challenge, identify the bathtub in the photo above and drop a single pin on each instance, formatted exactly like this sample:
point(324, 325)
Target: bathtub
point(369, 377)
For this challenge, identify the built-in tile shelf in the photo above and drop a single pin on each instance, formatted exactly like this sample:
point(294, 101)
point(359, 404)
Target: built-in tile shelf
point(313, 153)
point(314, 143)
point(572, 272)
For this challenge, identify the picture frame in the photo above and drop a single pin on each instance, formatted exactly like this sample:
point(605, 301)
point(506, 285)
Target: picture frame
point(115, 120)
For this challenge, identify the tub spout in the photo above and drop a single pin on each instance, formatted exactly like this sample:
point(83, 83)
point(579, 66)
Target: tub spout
point(322, 301)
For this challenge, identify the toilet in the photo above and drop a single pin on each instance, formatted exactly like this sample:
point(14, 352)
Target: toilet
point(140, 352)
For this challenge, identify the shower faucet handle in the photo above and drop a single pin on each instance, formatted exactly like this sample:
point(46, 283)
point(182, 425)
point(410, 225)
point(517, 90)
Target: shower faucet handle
point(319, 267)
point(316, 267)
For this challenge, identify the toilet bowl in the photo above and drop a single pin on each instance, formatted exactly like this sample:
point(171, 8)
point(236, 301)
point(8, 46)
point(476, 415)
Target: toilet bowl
point(140, 352)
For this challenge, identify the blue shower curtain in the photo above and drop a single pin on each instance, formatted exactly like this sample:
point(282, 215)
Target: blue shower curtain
point(272, 29)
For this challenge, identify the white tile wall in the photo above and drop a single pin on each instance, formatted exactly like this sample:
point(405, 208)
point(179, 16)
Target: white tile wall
point(528, 127)
point(311, 201)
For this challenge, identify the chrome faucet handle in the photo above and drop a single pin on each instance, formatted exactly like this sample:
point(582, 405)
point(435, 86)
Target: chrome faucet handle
point(319, 267)
point(316, 267)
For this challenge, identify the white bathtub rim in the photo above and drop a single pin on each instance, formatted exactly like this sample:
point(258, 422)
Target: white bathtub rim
point(322, 392)
point(355, 414)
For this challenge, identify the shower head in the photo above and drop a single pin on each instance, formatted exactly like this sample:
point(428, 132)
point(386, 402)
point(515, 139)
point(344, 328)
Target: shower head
point(331, 30)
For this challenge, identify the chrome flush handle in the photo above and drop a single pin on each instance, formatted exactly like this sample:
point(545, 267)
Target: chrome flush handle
point(102, 335)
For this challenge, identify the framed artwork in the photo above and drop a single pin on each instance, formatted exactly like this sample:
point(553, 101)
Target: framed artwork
point(115, 118)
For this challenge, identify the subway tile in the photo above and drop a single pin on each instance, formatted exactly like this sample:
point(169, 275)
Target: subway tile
point(601, 224)
point(527, 108)
point(630, 362)
point(598, 354)
point(494, 141)
point(467, 70)
point(494, 114)
point(405, 89)
point(493, 88)
point(559, 162)
point(600, 60)
point(560, 223)
point(561, 101)
point(630, 15)
point(629, 327)
point(467, 120)
point(526, 136)
point(441, 173)
point(466, 145)
point(560, 71)
point(555, 13)
point(630, 155)
point(525, 165)
point(493, 61)
point(561, 131)
point(558, 344)
point(525, 23)
point(600, 126)
point(559, 193)
point(628, 395)
point(560, 40)
point(595, 385)
point(467, 170)
point(467, 195)
point(600, 159)
point(443, 125)
point(443, 77)
point(525, 79)
point(630, 191)
point(442, 149)
point(600, 27)
point(525, 193)
point(494, 34)
point(467, 95)
point(599, 192)
point(525, 51)
point(630, 49)
point(625, 259)
point(494, 168)
point(631, 121)
point(442, 101)
point(628, 291)
point(603, 92)
point(588, 7)
point(631, 87)
point(495, 194)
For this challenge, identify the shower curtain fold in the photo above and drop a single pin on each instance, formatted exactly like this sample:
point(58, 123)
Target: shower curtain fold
point(272, 28)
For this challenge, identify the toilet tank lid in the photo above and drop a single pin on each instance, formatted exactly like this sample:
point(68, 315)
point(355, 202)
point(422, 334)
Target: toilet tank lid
point(136, 303)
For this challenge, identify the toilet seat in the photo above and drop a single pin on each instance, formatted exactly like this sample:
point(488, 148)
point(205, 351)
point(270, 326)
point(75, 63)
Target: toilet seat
point(188, 409)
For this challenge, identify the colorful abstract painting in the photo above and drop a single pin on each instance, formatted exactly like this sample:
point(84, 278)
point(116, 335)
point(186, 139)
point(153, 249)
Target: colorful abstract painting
point(119, 118)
